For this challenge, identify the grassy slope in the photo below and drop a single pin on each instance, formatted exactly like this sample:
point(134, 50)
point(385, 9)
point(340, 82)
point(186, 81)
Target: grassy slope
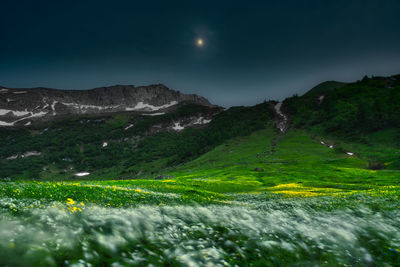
point(364, 116)
point(296, 158)
point(305, 203)
point(293, 165)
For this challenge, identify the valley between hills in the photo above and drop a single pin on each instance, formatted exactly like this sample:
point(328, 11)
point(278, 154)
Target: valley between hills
point(313, 180)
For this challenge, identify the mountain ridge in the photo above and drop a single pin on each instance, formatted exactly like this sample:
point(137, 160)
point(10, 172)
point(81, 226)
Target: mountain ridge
point(359, 119)
point(24, 106)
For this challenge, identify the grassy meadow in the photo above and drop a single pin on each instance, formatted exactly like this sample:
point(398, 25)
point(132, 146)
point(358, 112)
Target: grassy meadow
point(265, 199)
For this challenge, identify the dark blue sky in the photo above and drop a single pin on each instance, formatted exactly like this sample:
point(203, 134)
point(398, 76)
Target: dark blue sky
point(253, 50)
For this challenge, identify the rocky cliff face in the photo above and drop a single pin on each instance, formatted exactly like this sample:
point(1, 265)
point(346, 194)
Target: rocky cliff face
point(19, 107)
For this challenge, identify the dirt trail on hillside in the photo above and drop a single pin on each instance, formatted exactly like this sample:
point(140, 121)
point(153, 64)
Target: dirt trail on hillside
point(282, 123)
point(282, 120)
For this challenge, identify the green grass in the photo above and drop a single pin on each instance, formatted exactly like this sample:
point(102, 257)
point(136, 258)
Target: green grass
point(295, 158)
point(263, 199)
point(295, 164)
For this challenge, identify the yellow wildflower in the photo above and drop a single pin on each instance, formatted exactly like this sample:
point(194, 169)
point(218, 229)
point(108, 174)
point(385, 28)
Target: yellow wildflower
point(70, 201)
point(74, 209)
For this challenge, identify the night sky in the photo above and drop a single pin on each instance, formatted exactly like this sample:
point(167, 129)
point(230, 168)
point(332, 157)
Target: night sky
point(251, 50)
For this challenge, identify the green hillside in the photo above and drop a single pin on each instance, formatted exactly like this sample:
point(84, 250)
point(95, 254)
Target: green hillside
point(72, 145)
point(365, 114)
point(350, 110)
point(235, 191)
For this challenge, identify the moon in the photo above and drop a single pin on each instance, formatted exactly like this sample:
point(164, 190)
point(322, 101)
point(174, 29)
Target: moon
point(199, 42)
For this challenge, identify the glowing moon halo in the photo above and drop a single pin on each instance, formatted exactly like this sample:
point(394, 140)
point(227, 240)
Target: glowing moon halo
point(199, 42)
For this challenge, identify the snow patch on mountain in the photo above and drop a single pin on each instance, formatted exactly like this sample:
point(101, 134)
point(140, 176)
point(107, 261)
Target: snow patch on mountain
point(153, 114)
point(182, 124)
point(80, 174)
point(331, 147)
point(38, 114)
point(20, 114)
point(16, 113)
point(25, 155)
point(128, 127)
point(85, 107)
point(4, 123)
point(201, 120)
point(144, 106)
point(177, 126)
point(4, 111)
point(53, 105)
point(321, 98)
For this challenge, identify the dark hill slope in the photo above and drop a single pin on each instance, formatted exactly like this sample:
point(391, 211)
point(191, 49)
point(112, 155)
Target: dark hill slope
point(350, 109)
point(324, 88)
point(123, 145)
point(365, 113)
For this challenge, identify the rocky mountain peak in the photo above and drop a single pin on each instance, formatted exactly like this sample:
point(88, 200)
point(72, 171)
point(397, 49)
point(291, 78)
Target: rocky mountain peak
point(25, 106)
